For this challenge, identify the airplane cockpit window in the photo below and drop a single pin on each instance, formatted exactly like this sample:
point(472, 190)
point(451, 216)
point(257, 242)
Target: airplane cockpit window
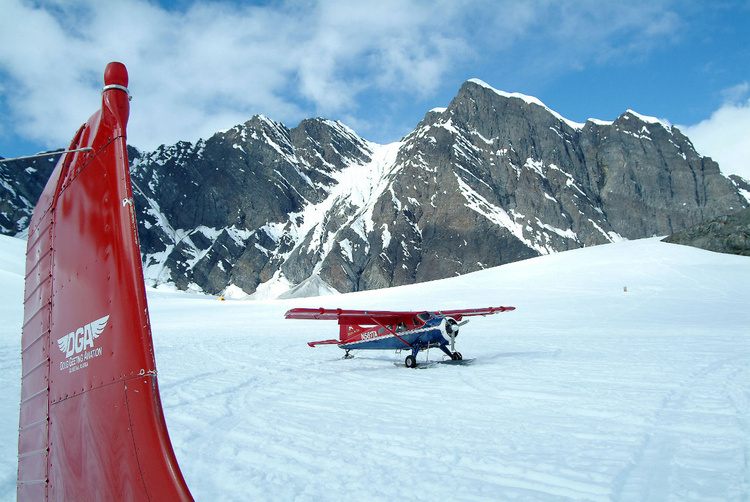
point(424, 316)
point(401, 326)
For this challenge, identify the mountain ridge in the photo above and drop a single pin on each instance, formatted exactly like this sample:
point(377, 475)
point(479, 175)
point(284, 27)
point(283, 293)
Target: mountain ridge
point(492, 178)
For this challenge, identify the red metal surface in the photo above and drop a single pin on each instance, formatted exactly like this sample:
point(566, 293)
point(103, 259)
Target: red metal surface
point(378, 317)
point(91, 423)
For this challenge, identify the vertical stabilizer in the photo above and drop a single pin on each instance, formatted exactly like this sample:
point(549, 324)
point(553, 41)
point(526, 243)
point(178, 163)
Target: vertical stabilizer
point(91, 423)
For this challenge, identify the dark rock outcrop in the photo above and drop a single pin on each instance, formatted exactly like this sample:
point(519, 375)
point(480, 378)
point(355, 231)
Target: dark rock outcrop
point(726, 234)
point(21, 183)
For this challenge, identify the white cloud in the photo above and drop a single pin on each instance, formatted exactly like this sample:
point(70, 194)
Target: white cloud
point(212, 64)
point(725, 136)
point(215, 64)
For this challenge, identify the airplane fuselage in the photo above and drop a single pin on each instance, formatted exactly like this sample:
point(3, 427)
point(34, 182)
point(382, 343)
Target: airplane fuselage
point(422, 333)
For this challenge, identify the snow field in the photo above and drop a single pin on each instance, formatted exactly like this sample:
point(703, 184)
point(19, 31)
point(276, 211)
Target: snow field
point(12, 267)
point(585, 392)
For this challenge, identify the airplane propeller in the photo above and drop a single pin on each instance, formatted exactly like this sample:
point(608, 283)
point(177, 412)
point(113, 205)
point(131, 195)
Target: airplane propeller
point(451, 328)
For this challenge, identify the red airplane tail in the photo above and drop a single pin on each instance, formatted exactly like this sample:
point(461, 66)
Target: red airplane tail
point(349, 332)
point(91, 422)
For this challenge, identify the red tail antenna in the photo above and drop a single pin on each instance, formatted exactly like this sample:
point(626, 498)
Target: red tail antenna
point(91, 422)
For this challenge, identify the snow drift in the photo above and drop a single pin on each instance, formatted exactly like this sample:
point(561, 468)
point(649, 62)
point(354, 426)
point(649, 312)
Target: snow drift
point(624, 374)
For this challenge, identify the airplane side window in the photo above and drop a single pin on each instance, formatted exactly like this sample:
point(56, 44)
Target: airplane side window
point(416, 322)
point(381, 331)
point(401, 326)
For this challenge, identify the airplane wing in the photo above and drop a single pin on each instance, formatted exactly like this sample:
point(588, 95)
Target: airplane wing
point(459, 314)
point(378, 317)
point(345, 316)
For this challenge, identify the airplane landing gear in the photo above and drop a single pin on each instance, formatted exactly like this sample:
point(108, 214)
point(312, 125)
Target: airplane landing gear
point(410, 362)
point(455, 356)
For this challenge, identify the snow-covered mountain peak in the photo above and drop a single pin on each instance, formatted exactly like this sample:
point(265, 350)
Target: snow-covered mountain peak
point(528, 99)
point(493, 178)
point(647, 119)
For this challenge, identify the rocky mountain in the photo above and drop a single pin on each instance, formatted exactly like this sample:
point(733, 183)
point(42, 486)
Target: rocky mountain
point(229, 210)
point(21, 183)
point(742, 185)
point(725, 234)
point(493, 178)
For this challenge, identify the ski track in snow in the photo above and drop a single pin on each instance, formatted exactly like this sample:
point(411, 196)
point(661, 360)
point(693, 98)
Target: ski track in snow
point(585, 392)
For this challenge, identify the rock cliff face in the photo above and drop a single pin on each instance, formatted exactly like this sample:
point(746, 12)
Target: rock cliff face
point(725, 234)
point(496, 178)
point(21, 183)
point(213, 213)
point(493, 178)
point(743, 186)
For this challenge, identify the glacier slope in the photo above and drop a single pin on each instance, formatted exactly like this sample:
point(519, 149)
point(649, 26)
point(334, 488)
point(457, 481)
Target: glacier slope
point(624, 374)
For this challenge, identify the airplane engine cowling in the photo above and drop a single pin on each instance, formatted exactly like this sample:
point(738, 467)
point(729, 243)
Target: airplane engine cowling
point(449, 328)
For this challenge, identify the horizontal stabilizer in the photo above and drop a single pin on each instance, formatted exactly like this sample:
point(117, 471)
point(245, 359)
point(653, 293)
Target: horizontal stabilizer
point(324, 342)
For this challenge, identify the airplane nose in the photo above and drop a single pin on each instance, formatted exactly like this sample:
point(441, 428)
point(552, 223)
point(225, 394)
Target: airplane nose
point(451, 327)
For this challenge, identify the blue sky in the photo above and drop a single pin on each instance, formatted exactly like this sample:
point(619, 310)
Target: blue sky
point(197, 67)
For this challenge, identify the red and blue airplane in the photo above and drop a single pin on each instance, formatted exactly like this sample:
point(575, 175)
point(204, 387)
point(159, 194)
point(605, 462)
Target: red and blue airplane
point(387, 330)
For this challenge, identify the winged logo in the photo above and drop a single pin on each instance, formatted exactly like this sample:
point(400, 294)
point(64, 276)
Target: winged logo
point(97, 327)
point(82, 338)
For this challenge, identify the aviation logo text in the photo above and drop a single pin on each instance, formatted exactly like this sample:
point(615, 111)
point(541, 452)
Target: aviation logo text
point(75, 344)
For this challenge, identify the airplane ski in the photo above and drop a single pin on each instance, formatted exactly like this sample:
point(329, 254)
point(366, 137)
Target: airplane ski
point(91, 425)
point(430, 364)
